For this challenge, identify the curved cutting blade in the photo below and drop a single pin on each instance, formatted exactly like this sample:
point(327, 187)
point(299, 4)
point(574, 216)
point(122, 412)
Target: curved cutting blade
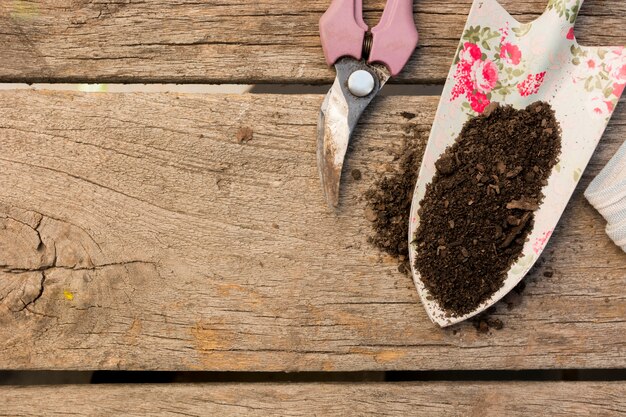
point(339, 116)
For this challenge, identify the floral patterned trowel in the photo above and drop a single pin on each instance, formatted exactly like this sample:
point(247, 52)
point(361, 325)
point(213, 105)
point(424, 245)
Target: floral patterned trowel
point(501, 60)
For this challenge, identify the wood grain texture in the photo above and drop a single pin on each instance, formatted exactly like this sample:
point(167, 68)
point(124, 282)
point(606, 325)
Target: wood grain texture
point(467, 399)
point(252, 41)
point(137, 232)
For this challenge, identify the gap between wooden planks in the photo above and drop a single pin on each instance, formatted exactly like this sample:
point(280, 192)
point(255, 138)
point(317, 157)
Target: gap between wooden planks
point(514, 399)
point(226, 41)
point(136, 232)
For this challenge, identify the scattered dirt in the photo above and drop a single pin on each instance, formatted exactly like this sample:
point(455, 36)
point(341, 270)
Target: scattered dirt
point(514, 298)
point(389, 201)
point(484, 323)
point(245, 135)
point(370, 214)
point(479, 210)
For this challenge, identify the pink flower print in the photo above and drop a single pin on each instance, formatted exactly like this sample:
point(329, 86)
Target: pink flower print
point(531, 84)
point(609, 105)
point(559, 59)
point(601, 107)
point(505, 32)
point(616, 64)
point(464, 84)
point(484, 76)
point(618, 89)
point(620, 73)
point(540, 49)
point(478, 102)
point(540, 243)
point(511, 53)
point(570, 34)
point(591, 67)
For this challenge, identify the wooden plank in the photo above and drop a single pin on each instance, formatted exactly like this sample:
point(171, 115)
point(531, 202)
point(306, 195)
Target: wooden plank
point(254, 41)
point(138, 233)
point(514, 399)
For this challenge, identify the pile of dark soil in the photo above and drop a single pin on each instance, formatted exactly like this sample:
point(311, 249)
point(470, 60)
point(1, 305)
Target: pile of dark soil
point(389, 202)
point(479, 209)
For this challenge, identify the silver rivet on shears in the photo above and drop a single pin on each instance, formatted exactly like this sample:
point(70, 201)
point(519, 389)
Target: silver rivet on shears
point(361, 83)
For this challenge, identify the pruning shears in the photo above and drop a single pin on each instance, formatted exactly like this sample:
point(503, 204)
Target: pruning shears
point(364, 61)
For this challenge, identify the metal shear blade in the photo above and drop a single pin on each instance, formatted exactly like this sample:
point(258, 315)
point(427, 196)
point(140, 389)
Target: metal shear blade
point(338, 118)
point(383, 52)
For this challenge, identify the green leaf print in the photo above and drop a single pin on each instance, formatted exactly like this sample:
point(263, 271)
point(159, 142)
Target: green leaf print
point(522, 30)
point(480, 36)
point(523, 264)
point(458, 54)
point(472, 34)
point(561, 7)
point(574, 13)
point(578, 51)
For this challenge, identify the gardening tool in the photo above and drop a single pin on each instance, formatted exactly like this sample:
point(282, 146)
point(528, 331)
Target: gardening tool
point(502, 60)
point(364, 62)
point(607, 193)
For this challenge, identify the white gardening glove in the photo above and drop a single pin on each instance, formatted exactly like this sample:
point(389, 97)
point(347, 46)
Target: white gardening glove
point(607, 193)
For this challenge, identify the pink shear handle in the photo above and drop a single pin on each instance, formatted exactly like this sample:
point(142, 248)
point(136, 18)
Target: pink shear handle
point(395, 37)
point(342, 30)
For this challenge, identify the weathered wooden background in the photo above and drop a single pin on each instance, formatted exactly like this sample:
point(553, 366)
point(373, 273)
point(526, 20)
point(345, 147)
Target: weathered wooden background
point(137, 232)
point(442, 399)
point(227, 41)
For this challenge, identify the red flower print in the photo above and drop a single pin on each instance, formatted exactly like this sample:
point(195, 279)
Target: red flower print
point(618, 89)
point(570, 34)
point(464, 84)
point(470, 53)
point(531, 84)
point(484, 76)
point(511, 53)
point(478, 102)
point(474, 77)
